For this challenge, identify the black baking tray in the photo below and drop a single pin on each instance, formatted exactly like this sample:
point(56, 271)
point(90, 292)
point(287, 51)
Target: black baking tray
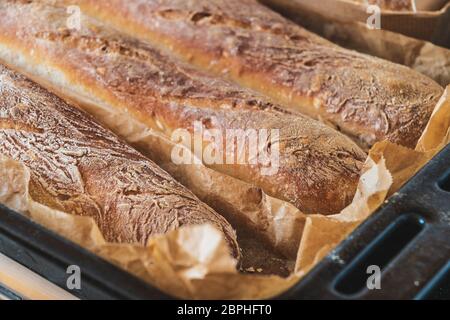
point(408, 239)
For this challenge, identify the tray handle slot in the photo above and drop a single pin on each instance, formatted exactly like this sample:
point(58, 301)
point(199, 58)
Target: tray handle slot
point(439, 287)
point(380, 252)
point(444, 182)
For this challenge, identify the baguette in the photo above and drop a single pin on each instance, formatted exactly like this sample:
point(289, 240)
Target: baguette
point(79, 167)
point(367, 98)
point(99, 69)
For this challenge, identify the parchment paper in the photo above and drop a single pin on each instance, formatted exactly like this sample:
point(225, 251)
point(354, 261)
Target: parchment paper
point(430, 26)
point(245, 206)
point(191, 262)
point(419, 5)
point(387, 169)
point(348, 30)
point(422, 56)
point(194, 263)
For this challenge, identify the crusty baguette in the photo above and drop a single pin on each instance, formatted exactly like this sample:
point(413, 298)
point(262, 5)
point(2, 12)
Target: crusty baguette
point(318, 167)
point(79, 167)
point(394, 5)
point(367, 98)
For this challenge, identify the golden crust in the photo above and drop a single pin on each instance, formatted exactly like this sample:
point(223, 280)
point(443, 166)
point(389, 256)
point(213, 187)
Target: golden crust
point(79, 167)
point(367, 98)
point(319, 168)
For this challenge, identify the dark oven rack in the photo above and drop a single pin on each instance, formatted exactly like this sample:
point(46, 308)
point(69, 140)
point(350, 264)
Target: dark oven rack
point(408, 239)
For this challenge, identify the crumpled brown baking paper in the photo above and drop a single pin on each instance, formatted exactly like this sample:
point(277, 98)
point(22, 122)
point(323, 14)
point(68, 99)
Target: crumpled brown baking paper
point(247, 207)
point(193, 262)
point(426, 25)
point(422, 56)
point(388, 168)
point(345, 28)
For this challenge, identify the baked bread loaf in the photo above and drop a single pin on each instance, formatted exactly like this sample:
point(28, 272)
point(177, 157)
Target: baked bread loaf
point(318, 168)
point(367, 98)
point(79, 167)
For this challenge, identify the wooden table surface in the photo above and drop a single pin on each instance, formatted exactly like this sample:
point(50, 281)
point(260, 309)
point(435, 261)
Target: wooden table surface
point(28, 284)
